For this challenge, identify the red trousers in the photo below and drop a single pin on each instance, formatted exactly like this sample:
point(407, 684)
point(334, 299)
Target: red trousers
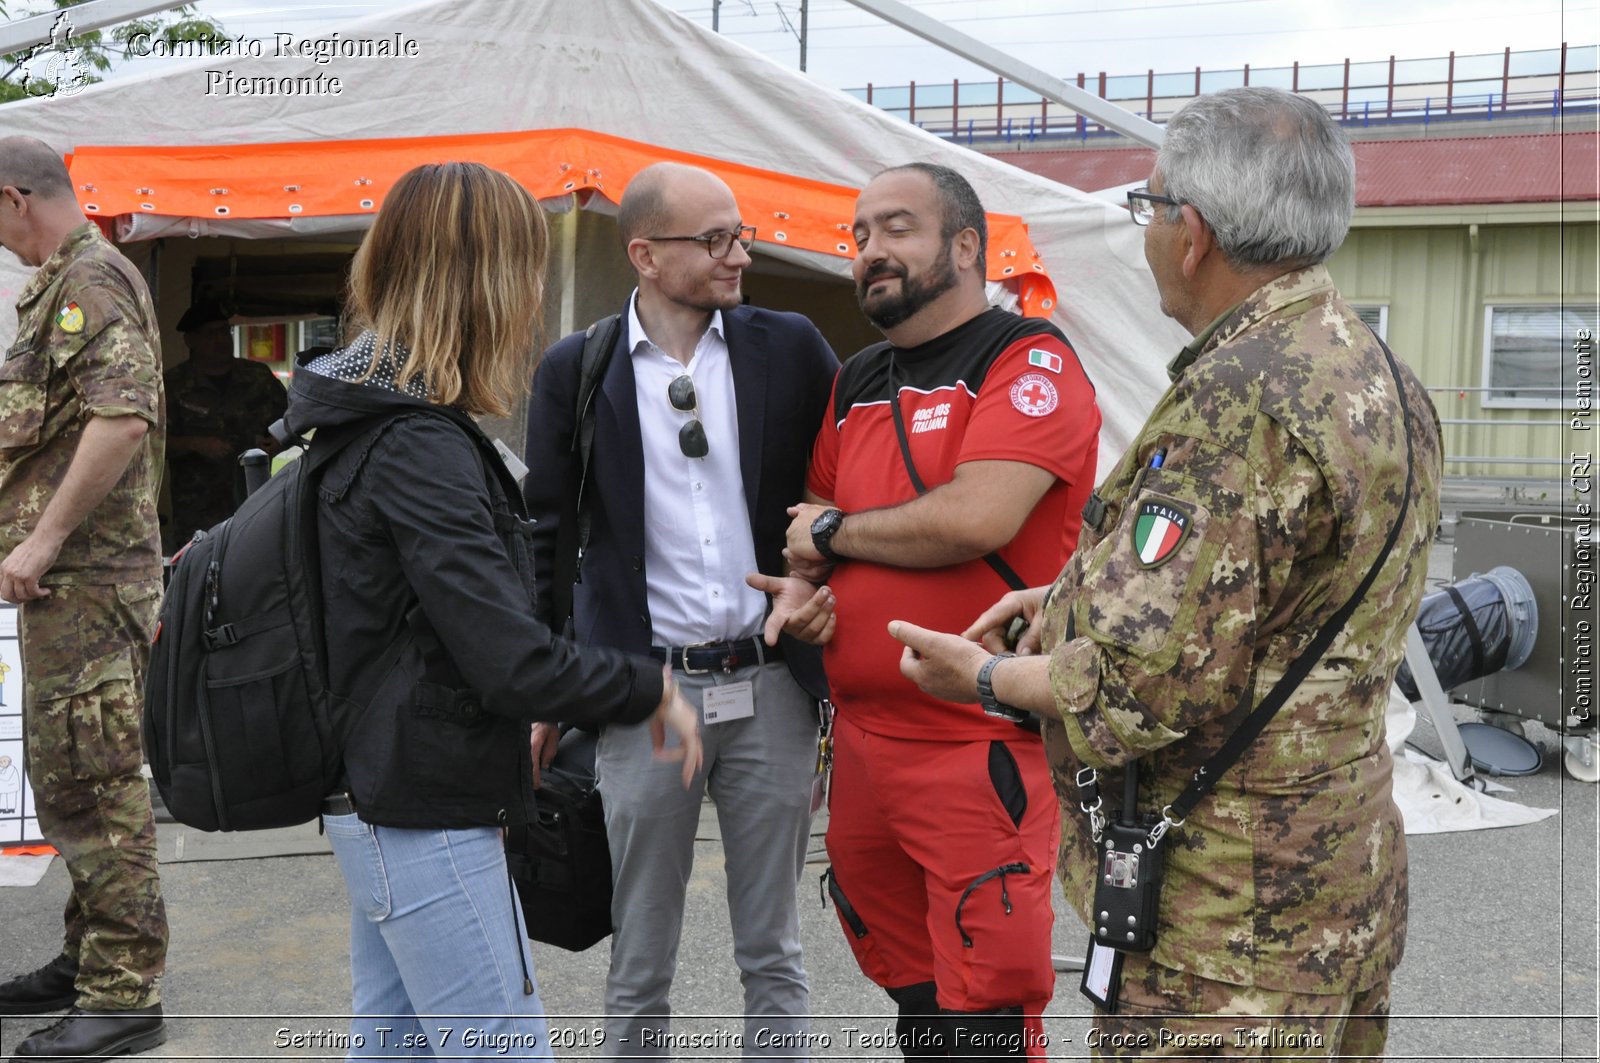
point(942, 855)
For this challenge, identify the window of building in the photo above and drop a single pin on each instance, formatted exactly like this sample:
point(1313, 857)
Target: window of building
point(1375, 316)
point(1527, 352)
point(319, 332)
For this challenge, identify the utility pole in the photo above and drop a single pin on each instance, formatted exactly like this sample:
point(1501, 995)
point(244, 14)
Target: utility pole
point(716, 16)
point(805, 7)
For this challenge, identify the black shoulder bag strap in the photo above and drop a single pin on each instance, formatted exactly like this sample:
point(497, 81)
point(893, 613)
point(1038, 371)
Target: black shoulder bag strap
point(572, 533)
point(1206, 778)
point(994, 560)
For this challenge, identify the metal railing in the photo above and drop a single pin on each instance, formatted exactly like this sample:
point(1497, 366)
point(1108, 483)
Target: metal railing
point(1451, 88)
point(1492, 427)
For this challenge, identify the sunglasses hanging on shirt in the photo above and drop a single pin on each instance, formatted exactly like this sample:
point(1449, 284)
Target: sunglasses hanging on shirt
point(692, 436)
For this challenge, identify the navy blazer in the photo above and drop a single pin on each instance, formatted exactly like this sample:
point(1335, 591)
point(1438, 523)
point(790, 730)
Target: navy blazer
point(783, 373)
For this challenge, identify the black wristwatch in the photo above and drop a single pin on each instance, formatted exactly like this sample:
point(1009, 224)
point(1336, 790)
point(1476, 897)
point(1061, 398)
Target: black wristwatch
point(986, 698)
point(823, 529)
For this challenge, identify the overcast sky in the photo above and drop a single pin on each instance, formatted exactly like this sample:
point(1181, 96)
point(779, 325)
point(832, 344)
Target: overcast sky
point(847, 47)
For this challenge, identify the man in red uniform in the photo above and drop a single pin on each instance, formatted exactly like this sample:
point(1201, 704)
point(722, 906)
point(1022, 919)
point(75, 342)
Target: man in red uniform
point(942, 822)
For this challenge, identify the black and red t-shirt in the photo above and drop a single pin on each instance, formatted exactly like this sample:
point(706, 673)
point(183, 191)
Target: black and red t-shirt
point(997, 388)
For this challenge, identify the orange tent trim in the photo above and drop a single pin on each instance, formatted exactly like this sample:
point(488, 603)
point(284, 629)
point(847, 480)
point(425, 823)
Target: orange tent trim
point(341, 177)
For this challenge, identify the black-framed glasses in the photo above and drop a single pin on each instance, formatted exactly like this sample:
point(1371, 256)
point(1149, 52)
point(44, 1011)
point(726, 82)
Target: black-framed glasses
point(1142, 204)
point(718, 245)
point(692, 436)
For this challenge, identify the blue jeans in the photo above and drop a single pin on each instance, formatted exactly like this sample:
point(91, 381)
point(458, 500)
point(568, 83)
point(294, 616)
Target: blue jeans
point(437, 946)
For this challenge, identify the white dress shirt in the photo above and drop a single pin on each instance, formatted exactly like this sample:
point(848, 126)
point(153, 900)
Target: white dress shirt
point(697, 542)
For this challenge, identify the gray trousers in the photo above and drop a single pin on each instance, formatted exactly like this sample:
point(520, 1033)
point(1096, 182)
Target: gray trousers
point(758, 772)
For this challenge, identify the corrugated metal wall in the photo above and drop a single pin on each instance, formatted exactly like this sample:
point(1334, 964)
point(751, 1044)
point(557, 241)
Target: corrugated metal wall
point(1436, 282)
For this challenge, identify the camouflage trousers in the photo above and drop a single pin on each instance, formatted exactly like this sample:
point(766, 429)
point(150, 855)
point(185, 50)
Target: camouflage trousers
point(84, 651)
point(1168, 1014)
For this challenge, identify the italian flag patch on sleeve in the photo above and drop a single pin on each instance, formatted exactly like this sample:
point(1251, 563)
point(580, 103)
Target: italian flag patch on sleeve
point(1159, 529)
point(1044, 360)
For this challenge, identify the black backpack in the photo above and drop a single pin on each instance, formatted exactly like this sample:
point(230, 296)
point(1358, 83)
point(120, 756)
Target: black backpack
point(240, 729)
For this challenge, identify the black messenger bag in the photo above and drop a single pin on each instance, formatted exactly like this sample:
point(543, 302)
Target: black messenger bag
point(561, 862)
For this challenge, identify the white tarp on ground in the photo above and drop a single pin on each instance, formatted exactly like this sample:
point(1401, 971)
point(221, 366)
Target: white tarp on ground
point(633, 69)
point(1430, 799)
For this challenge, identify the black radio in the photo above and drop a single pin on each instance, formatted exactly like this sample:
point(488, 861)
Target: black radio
point(1127, 893)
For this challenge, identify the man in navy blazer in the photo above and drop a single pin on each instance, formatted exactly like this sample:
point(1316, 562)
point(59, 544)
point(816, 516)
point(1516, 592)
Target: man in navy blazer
point(704, 421)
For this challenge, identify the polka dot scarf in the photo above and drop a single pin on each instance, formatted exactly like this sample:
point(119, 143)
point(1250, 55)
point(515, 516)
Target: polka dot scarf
point(351, 363)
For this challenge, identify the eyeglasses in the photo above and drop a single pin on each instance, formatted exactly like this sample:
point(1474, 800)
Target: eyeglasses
point(718, 245)
point(692, 436)
point(1142, 204)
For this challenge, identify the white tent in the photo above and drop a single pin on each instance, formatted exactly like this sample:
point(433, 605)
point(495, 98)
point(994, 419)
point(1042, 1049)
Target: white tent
point(624, 68)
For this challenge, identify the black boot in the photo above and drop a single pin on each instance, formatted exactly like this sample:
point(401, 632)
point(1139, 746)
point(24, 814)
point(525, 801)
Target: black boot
point(920, 1029)
point(48, 989)
point(95, 1035)
point(991, 1035)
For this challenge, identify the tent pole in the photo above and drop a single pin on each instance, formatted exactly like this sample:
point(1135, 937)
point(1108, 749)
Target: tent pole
point(568, 227)
point(27, 32)
point(1083, 102)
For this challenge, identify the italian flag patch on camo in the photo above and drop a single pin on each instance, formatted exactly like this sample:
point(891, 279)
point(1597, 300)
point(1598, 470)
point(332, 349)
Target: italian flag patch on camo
point(70, 318)
point(1159, 529)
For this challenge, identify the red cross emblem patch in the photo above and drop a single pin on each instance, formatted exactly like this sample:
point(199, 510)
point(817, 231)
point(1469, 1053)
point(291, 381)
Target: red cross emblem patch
point(1033, 394)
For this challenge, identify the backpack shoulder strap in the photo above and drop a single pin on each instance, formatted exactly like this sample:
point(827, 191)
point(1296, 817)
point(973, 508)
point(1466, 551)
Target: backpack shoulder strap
point(572, 533)
point(330, 442)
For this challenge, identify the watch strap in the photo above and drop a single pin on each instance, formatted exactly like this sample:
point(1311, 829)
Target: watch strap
point(992, 706)
point(823, 542)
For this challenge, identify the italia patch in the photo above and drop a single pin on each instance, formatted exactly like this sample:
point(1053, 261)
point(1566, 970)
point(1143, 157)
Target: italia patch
point(70, 318)
point(1034, 395)
point(1044, 360)
point(1159, 529)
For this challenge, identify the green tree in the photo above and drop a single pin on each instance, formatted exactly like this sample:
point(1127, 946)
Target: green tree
point(84, 57)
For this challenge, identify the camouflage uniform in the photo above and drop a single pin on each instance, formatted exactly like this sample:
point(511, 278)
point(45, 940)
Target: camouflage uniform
point(235, 406)
point(1284, 450)
point(86, 346)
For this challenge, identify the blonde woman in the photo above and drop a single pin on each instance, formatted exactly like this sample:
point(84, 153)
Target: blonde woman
point(430, 622)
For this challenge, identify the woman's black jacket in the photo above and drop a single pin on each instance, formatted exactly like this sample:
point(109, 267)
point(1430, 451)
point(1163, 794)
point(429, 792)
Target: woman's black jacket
point(430, 620)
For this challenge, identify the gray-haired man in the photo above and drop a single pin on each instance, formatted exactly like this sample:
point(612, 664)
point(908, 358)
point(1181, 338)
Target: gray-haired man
point(1250, 508)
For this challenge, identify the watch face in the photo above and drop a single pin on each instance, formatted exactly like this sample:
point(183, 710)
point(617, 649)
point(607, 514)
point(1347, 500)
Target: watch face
point(826, 522)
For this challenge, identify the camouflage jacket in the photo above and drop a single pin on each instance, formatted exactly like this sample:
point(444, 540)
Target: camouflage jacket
point(1284, 466)
point(86, 346)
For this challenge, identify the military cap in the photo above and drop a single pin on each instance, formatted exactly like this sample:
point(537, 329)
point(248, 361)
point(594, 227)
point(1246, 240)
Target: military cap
point(201, 314)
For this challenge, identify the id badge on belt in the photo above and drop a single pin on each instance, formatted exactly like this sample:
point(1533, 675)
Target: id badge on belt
point(819, 784)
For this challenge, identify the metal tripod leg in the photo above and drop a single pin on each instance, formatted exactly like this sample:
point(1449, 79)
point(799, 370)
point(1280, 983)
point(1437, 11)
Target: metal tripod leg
point(1433, 699)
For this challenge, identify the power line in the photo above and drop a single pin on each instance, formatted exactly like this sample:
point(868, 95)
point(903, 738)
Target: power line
point(1003, 18)
point(1006, 18)
point(1229, 33)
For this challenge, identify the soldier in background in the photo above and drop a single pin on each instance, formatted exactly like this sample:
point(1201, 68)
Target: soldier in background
point(80, 459)
point(218, 407)
point(1251, 506)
